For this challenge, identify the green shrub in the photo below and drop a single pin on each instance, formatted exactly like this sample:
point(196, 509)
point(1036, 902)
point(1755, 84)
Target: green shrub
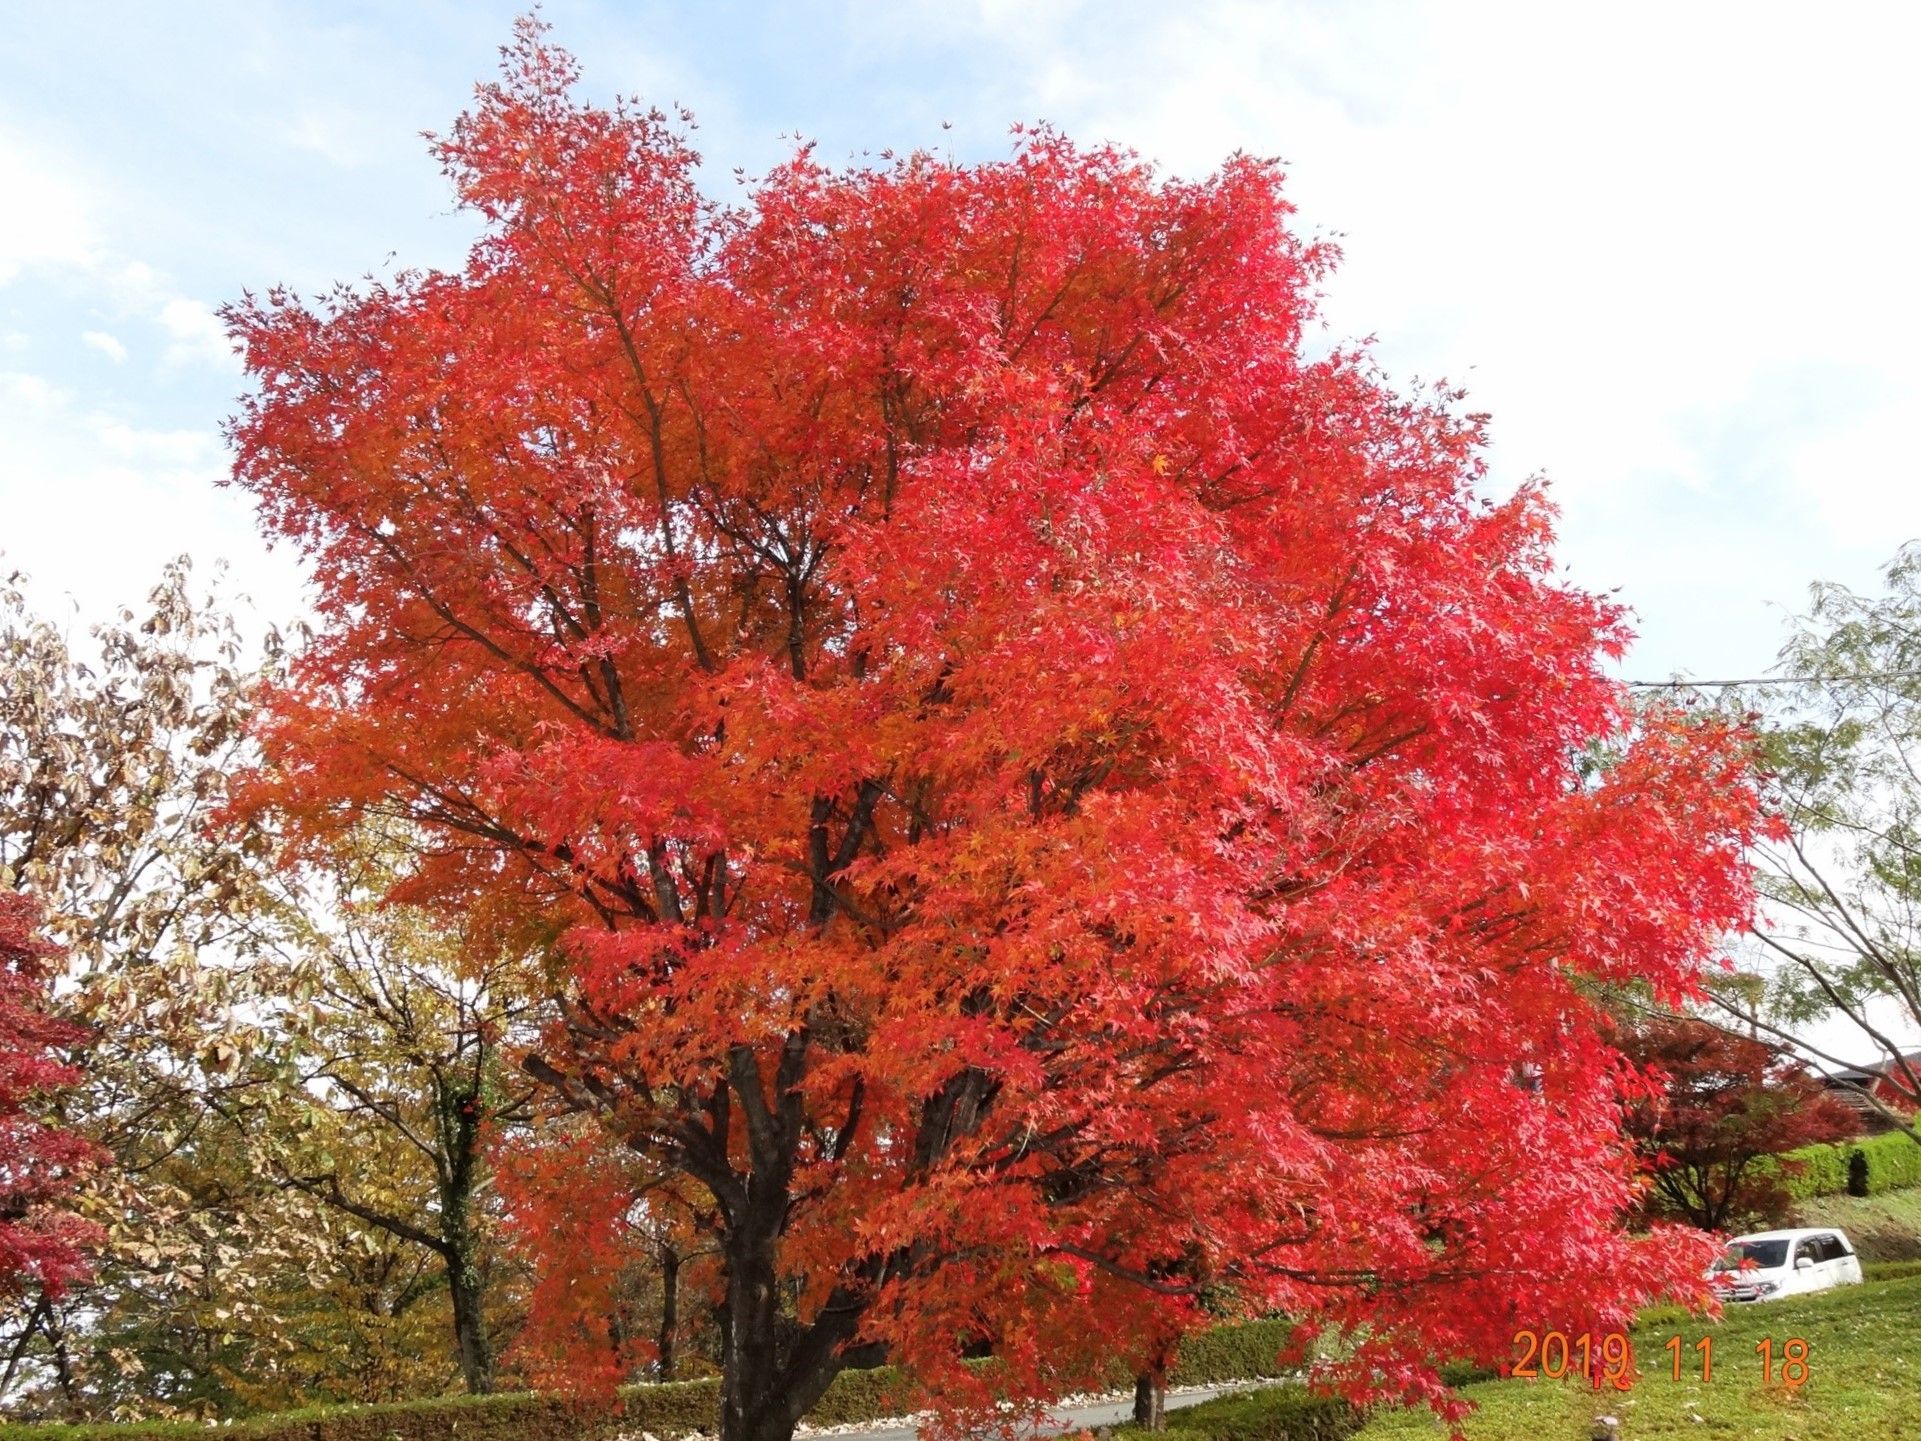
point(861, 1396)
point(516, 1417)
point(1280, 1413)
point(1890, 1270)
point(1226, 1353)
point(1892, 1162)
point(1816, 1171)
point(666, 1410)
point(1231, 1353)
point(1466, 1373)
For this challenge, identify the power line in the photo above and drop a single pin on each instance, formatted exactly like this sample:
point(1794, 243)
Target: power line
point(1771, 680)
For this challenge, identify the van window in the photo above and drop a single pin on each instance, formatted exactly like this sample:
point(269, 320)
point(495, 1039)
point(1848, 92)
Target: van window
point(1745, 1255)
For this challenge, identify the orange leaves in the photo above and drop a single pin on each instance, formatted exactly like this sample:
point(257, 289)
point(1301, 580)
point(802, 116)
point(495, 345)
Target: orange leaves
point(577, 1213)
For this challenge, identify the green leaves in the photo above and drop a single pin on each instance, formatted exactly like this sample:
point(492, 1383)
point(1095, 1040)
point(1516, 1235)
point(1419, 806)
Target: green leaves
point(1842, 937)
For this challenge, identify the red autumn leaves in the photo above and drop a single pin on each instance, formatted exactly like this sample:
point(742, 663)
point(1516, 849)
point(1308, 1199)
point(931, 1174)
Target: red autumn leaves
point(42, 1243)
point(1052, 795)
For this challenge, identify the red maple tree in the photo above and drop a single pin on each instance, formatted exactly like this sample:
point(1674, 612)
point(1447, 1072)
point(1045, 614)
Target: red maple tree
point(42, 1244)
point(1717, 1104)
point(1052, 795)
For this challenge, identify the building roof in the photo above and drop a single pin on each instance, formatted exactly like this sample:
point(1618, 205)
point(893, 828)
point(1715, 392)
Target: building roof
point(1855, 1075)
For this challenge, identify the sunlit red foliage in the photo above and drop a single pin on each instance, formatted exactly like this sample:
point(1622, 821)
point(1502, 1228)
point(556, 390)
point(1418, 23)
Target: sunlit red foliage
point(1717, 1104)
point(1054, 791)
point(42, 1244)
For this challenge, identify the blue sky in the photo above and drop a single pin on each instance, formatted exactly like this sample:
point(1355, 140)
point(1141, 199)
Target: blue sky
point(1671, 248)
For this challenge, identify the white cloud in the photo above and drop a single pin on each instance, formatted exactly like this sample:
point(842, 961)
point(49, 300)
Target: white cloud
point(337, 137)
point(95, 503)
point(48, 230)
point(1620, 226)
point(44, 211)
point(108, 345)
point(27, 395)
point(198, 337)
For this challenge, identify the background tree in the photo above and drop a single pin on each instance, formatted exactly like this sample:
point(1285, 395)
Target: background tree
point(623, 1276)
point(213, 996)
point(400, 1038)
point(1843, 937)
point(1034, 775)
point(366, 1318)
point(113, 759)
point(1720, 1106)
point(43, 1244)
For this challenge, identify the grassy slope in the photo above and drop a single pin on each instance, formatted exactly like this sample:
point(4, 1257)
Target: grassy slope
point(1883, 1228)
point(1865, 1384)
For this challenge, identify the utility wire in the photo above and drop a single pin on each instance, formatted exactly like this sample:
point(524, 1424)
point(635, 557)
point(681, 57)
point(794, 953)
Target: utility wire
point(1771, 680)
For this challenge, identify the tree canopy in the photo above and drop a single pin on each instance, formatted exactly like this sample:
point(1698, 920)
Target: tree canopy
point(1718, 1104)
point(1843, 881)
point(43, 1244)
point(247, 1037)
point(1051, 796)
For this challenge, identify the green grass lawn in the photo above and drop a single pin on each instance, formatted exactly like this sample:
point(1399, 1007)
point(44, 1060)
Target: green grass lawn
point(1864, 1382)
point(1883, 1228)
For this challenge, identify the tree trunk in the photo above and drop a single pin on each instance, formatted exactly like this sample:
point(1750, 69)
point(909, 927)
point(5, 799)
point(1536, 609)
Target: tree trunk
point(62, 1360)
point(1150, 1398)
point(669, 1309)
point(753, 1403)
point(772, 1369)
point(41, 1307)
point(460, 1117)
point(470, 1323)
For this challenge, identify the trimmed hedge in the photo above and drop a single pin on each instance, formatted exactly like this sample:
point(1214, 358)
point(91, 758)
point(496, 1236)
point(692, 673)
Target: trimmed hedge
point(1280, 1413)
point(670, 1409)
point(1457, 1374)
point(667, 1410)
point(1889, 1270)
point(851, 1396)
point(1817, 1171)
point(1231, 1353)
point(1892, 1162)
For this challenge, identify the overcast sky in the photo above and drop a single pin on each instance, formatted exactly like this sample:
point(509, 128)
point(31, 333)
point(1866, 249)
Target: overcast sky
point(1670, 247)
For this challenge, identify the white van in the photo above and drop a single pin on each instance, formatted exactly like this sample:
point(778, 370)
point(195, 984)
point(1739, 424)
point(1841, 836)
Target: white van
point(1772, 1264)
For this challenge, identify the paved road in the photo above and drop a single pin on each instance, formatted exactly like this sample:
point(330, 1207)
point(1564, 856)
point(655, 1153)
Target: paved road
point(1068, 1418)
